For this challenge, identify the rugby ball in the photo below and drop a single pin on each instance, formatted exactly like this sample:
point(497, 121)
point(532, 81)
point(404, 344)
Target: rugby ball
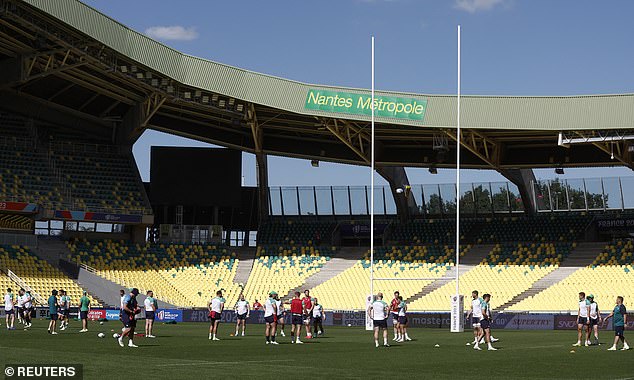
point(101, 323)
point(115, 335)
point(101, 335)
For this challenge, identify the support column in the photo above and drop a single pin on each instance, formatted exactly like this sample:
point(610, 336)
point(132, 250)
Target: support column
point(261, 164)
point(405, 202)
point(523, 179)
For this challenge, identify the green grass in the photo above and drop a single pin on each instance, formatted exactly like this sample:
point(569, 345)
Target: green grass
point(183, 351)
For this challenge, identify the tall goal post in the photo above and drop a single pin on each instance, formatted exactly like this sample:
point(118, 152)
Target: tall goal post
point(457, 301)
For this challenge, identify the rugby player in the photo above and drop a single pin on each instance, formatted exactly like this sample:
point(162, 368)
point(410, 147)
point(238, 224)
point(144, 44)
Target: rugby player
point(582, 319)
point(485, 323)
point(394, 314)
point(20, 306)
point(595, 320)
point(150, 313)
point(216, 306)
point(475, 313)
point(307, 303)
point(52, 309)
point(242, 313)
point(297, 311)
point(8, 309)
point(130, 310)
point(270, 315)
point(618, 323)
point(84, 309)
point(318, 317)
point(402, 321)
point(378, 311)
point(64, 309)
point(28, 309)
point(280, 315)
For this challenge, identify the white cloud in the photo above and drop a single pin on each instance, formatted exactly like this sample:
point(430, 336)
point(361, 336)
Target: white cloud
point(473, 6)
point(173, 33)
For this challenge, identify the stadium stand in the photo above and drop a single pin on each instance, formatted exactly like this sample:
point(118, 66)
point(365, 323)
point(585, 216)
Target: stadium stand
point(611, 275)
point(100, 178)
point(284, 268)
point(184, 275)
point(430, 231)
point(538, 228)
point(38, 274)
point(14, 222)
point(293, 232)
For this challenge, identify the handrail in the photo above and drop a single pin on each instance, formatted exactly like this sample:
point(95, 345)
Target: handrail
point(24, 285)
point(88, 268)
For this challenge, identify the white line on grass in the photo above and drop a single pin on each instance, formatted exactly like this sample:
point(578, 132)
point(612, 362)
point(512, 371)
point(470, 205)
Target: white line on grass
point(220, 363)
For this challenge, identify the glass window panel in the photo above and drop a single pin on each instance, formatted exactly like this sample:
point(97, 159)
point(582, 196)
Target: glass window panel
point(627, 185)
point(40, 224)
point(41, 231)
point(482, 197)
point(57, 224)
point(594, 193)
point(104, 227)
point(358, 200)
point(84, 226)
point(276, 204)
point(500, 197)
point(558, 195)
point(340, 195)
point(467, 206)
point(515, 198)
point(390, 205)
point(417, 193)
point(541, 193)
point(289, 197)
point(448, 195)
point(612, 191)
point(379, 201)
point(432, 199)
point(324, 200)
point(307, 200)
point(576, 194)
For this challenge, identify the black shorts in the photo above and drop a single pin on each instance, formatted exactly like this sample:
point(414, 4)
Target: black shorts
point(280, 318)
point(394, 317)
point(66, 313)
point(242, 317)
point(402, 320)
point(149, 314)
point(619, 330)
point(594, 321)
point(308, 319)
point(582, 320)
point(20, 311)
point(128, 323)
point(269, 319)
point(9, 312)
point(485, 324)
point(54, 317)
point(381, 323)
point(475, 321)
point(83, 315)
point(296, 319)
point(316, 319)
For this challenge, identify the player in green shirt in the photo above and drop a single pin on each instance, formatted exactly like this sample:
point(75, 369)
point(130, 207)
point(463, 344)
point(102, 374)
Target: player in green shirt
point(84, 309)
point(619, 322)
point(52, 310)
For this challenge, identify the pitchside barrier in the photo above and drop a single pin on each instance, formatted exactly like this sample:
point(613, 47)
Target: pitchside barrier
point(439, 320)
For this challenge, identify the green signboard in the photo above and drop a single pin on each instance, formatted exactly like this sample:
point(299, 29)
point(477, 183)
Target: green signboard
point(358, 104)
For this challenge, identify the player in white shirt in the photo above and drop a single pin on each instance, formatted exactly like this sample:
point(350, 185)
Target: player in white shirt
point(402, 321)
point(583, 319)
point(475, 313)
point(280, 316)
point(216, 306)
point(595, 320)
point(318, 318)
point(270, 316)
point(242, 313)
point(20, 301)
point(8, 309)
point(28, 309)
point(150, 313)
point(378, 311)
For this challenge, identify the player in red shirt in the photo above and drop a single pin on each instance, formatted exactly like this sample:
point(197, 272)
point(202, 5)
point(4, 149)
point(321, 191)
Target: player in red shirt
point(297, 311)
point(257, 305)
point(394, 313)
point(307, 304)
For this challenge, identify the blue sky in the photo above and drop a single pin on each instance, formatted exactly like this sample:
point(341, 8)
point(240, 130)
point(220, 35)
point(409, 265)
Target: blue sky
point(509, 47)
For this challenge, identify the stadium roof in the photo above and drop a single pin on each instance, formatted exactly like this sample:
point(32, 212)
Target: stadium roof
point(80, 60)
